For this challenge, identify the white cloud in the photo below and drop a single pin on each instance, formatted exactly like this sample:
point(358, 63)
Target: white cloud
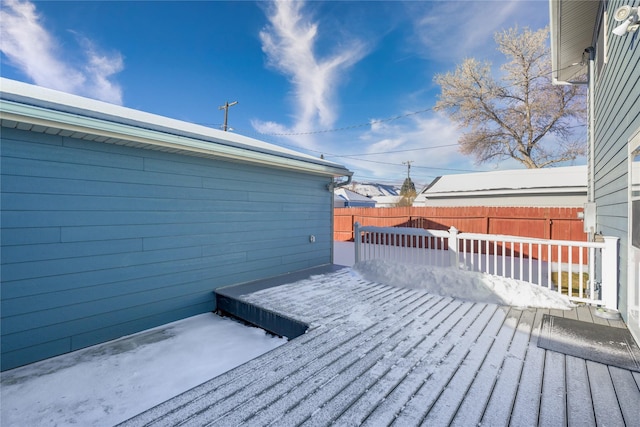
point(30, 48)
point(429, 142)
point(449, 31)
point(289, 43)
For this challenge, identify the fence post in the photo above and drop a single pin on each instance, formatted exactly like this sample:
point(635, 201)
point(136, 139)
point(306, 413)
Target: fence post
point(610, 272)
point(356, 240)
point(453, 246)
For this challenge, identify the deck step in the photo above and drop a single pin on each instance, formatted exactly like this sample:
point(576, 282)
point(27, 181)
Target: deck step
point(229, 302)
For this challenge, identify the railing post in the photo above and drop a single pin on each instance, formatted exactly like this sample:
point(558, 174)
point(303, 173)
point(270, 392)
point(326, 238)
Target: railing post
point(356, 240)
point(610, 272)
point(453, 246)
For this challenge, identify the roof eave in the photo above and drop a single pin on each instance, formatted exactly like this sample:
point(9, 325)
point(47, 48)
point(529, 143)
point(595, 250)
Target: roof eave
point(49, 121)
point(573, 25)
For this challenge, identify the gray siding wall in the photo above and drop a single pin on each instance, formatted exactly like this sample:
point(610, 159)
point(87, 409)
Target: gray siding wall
point(100, 241)
point(617, 117)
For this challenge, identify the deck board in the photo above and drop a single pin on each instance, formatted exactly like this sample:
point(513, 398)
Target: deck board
point(553, 407)
point(628, 394)
point(579, 402)
point(527, 402)
point(605, 400)
point(379, 355)
point(502, 397)
point(476, 398)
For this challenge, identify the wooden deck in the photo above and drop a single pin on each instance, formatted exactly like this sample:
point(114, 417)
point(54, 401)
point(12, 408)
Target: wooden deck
point(379, 355)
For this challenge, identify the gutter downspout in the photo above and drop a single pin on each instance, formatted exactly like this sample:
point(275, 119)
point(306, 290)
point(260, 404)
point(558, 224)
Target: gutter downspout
point(591, 197)
point(333, 185)
point(591, 82)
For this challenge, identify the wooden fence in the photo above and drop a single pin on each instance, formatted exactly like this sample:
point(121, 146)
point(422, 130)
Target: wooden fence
point(545, 223)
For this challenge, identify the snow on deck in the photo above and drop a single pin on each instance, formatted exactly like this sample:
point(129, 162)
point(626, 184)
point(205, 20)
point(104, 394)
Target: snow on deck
point(381, 355)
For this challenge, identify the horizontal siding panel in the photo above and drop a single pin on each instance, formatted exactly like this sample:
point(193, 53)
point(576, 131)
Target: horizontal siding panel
point(68, 156)
point(25, 270)
point(319, 201)
point(59, 202)
point(31, 337)
point(64, 186)
point(34, 353)
point(228, 239)
point(78, 295)
point(74, 234)
point(173, 222)
point(29, 236)
point(133, 276)
point(91, 312)
point(89, 174)
point(236, 174)
point(58, 251)
point(294, 187)
point(256, 246)
point(279, 252)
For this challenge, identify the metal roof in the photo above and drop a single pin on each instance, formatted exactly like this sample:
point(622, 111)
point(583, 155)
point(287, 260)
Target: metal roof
point(573, 26)
point(43, 110)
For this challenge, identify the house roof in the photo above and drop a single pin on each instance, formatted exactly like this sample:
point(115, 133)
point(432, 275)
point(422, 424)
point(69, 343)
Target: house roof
point(572, 31)
point(352, 196)
point(39, 109)
point(560, 180)
point(374, 189)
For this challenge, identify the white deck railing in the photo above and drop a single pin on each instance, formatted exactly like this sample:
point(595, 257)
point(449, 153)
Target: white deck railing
point(569, 267)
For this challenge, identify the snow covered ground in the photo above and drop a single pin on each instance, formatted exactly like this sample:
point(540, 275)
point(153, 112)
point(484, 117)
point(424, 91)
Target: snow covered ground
point(109, 383)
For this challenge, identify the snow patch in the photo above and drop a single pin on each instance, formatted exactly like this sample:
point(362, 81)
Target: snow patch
point(462, 284)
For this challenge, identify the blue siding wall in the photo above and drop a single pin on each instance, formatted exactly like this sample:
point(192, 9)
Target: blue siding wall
point(100, 240)
point(617, 116)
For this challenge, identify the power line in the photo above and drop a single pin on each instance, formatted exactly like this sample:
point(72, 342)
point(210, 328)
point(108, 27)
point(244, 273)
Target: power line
point(396, 151)
point(369, 123)
point(416, 167)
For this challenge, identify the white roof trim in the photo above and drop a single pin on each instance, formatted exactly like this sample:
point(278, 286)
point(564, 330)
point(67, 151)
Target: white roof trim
point(559, 180)
point(50, 111)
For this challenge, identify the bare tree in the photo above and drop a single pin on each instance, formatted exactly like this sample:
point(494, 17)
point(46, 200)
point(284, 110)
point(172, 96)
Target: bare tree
point(521, 116)
point(408, 193)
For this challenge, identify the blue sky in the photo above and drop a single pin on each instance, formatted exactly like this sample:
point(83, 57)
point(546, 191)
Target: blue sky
point(321, 77)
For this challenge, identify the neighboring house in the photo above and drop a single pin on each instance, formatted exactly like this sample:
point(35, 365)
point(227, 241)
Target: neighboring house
point(384, 195)
point(585, 32)
point(344, 198)
point(386, 201)
point(549, 187)
point(374, 189)
point(115, 220)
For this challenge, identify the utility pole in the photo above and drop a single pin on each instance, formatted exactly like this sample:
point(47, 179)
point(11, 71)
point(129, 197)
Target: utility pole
point(408, 163)
point(225, 107)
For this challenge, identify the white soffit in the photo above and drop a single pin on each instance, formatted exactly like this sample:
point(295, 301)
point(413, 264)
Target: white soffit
point(572, 31)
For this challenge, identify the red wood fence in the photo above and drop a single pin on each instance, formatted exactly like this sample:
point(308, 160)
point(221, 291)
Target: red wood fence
point(545, 223)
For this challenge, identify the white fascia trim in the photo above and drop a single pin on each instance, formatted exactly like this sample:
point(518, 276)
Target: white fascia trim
point(509, 193)
point(154, 139)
